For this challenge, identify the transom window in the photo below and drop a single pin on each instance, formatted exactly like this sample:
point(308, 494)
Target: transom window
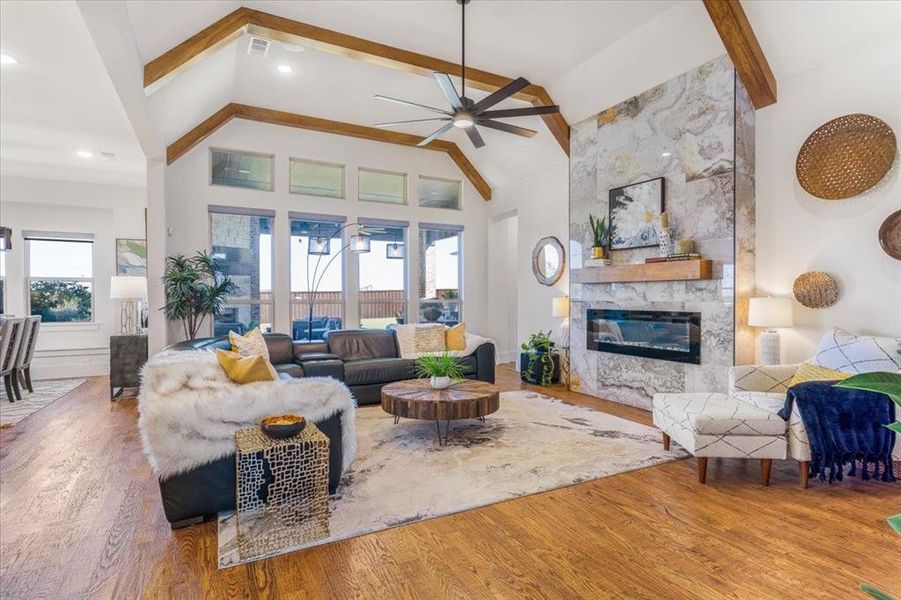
point(382, 186)
point(439, 193)
point(314, 178)
point(241, 241)
point(242, 169)
point(60, 273)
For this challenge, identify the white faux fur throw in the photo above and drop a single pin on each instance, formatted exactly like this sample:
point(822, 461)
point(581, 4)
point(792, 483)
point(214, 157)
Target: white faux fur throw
point(190, 410)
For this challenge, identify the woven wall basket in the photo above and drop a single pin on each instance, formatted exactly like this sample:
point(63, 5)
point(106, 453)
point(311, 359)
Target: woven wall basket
point(815, 289)
point(846, 156)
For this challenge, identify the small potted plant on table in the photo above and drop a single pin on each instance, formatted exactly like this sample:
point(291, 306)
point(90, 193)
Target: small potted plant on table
point(539, 362)
point(441, 369)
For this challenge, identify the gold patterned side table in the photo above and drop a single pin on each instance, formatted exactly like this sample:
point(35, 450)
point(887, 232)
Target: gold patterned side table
point(282, 495)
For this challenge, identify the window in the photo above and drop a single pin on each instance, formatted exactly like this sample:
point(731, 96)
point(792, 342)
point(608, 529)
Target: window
point(317, 263)
point(241, 169)
point(440, 262)
point(439, 193)
point(382, 274)
point(242, 242)
point(316, 178)
point(382, 186)
point(60, 270)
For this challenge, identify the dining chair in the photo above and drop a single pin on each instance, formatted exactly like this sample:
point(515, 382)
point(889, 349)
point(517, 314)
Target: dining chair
point(10, 337)
point(29, 339)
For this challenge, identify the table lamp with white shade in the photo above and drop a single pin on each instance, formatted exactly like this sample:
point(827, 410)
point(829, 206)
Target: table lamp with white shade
point(770, 313)
point(560, 309)
point(130, 290)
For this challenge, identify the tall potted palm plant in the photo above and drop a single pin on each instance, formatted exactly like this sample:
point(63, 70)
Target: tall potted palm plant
point(196, 287)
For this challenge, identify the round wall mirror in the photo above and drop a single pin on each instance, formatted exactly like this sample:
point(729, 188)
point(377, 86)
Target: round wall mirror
point(548, 260)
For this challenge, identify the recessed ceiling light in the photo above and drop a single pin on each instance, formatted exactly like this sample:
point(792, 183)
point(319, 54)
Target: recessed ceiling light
point(6, 59)
point(84, 154)
point(285, 69)
point(665, 154)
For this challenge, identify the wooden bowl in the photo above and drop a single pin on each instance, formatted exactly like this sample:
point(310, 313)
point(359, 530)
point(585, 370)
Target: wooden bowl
point(279, 427)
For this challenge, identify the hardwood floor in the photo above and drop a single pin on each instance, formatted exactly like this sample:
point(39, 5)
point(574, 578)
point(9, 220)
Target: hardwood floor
point(80, 516)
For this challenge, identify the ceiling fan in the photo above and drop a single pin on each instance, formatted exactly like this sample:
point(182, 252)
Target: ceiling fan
point(466, 113)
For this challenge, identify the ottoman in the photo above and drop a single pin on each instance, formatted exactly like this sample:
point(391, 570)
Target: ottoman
point(720, 426)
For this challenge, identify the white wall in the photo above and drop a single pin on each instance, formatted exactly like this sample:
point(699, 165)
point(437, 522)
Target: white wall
point(540, 202)
point(503, 263)
point(106, 211)
point(797, 232)
point(189, 193)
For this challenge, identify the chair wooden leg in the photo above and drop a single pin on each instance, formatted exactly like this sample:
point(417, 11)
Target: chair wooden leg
point(766, 465)
point(665, 441)
point(702, 469)
point(804, 472)
point(8, 384)
point(28, 383)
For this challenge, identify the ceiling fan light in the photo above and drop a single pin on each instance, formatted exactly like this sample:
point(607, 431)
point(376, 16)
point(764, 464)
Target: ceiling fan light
point(463, 120)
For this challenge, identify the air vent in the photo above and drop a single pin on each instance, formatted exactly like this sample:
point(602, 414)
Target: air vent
point(108, 156)
point(258, 46)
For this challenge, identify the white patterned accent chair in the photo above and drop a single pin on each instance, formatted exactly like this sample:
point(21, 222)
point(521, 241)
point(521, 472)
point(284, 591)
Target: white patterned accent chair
point(718, 425)
point(756, 389)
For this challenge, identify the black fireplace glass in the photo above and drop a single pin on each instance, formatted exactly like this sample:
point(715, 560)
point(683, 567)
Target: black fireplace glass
point(665, 335)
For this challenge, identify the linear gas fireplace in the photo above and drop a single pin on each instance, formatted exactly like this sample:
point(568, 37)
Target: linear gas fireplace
point(674, 336)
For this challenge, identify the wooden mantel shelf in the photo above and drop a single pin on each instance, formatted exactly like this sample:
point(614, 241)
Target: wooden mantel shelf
point(683, 270)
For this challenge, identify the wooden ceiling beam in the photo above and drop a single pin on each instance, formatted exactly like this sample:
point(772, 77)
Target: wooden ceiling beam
point(738, 37)
point(254, 22)
point(288, 119)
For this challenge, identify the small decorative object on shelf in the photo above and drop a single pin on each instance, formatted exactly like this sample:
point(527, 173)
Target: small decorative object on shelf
point(282, 490)
point(890, 235)
point(685, 247)
point(600, 234)
point(770, 313)
point(441, 369)
point(280, 427)
point(673, 258)
point(539, 362)
point(665, 234)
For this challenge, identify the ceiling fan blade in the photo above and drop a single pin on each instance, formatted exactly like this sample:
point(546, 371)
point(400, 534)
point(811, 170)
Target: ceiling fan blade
point(411, 121)
point(432, 137)
point(508, 128)
point(520, 112)
point(447, 86)
point(406, 103)
point(474, 136)
point(520, 83)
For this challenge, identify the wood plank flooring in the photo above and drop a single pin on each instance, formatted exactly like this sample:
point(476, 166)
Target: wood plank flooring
point(80, 516)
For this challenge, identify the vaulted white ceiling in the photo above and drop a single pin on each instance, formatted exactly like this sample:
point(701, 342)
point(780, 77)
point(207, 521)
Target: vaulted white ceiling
point(588, 54)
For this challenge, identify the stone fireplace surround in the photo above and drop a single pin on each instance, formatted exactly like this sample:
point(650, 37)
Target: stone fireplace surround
point(696, 131)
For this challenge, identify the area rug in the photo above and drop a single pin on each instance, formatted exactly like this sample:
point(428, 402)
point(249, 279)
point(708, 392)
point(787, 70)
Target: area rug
point(532, 444)
point(45, 392)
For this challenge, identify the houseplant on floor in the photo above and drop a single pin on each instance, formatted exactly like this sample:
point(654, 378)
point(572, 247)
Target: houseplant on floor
point(196, 287)
point(539, 362)
point(441, 369)
point(599, 235)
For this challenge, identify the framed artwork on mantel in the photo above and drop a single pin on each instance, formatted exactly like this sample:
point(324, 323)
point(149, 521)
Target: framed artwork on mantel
point(634, 212)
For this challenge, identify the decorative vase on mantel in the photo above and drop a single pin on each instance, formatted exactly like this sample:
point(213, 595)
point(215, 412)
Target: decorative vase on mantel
point(440, 383)
point(598, 252)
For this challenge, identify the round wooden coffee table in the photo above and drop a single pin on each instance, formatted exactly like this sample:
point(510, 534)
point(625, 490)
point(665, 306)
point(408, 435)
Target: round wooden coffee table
point(415, 399)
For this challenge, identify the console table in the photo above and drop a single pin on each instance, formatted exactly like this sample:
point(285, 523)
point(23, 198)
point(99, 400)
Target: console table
point(127, 355)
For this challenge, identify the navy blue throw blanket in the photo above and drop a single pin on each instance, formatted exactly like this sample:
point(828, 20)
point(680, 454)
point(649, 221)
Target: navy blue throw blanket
point(844, 426)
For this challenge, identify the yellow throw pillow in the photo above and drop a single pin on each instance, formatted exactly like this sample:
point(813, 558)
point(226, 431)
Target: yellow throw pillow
point(250, 344)
point(245, 369)
point(809, 372)
point(455, 337)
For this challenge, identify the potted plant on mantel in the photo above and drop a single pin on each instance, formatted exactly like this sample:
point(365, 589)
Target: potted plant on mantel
point(539, 362)
point(196, 287)
point(600, 234)
point(441, 369)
